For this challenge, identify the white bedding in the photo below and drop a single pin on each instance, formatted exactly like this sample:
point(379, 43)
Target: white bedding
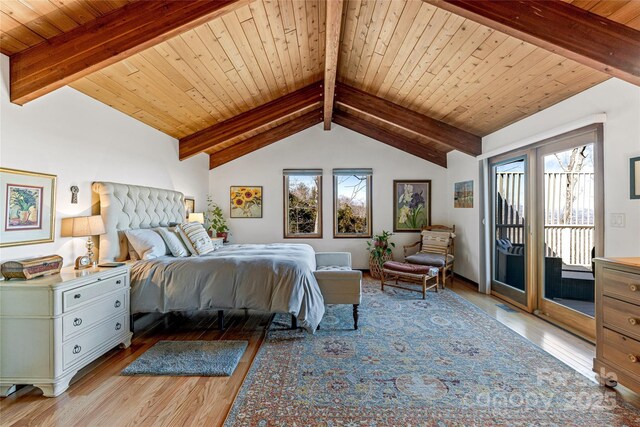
point(276, 278)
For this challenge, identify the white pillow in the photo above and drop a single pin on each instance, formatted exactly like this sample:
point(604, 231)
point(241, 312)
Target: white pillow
point(147, 243)
point(196, 238)
point(171, 237)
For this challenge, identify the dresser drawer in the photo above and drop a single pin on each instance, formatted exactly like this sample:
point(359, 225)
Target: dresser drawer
point(621, 316)
point(83, 345)
point(621, 285)
point(621, 351)
point(76, 297)
point(77, 321)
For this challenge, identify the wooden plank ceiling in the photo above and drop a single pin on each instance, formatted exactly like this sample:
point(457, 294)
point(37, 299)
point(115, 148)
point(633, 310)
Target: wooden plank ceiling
point(465, 76)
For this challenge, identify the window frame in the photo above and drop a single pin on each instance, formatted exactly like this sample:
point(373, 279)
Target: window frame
point(369, 210)
point(286, 234)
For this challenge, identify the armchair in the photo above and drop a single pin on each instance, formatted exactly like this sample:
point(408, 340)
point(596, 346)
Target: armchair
point(435, 248)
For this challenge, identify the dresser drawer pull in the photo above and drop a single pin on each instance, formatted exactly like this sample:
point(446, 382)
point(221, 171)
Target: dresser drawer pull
point(76, 349)
point(118, 326)
point(633, 287)
point(117, 304)
point(633, 358)
point(633, 321)
point(77, 321)
point(118, 282)
point(77, 296)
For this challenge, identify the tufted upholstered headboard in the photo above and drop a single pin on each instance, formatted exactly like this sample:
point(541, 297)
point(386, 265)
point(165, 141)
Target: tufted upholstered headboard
point(125, 207)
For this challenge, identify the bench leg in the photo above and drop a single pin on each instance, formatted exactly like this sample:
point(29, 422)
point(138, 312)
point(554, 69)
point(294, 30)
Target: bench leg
point(294, 322)
point(221, 320)
point(355, 316)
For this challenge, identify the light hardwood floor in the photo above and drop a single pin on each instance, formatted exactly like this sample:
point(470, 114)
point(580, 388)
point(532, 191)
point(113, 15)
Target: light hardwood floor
point(100, 396)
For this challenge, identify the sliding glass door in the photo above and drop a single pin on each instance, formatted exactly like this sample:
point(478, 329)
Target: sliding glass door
point(510, 244)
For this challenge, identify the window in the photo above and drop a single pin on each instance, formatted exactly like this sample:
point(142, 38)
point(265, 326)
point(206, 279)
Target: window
point(352, 203)
point(302, 203)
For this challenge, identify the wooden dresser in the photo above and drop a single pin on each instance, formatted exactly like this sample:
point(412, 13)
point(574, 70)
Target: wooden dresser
point(53, 326)
point(618, 321)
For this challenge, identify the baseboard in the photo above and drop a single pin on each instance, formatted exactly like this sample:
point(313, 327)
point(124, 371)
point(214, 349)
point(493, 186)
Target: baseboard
point(469, 281)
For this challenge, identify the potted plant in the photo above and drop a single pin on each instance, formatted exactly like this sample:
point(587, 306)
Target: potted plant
point(216, 220)
point(380, 250)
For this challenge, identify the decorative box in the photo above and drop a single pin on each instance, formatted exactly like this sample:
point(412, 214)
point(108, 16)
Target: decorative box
point(31, 268)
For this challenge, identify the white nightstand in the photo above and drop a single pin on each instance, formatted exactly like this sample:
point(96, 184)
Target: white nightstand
point(217, 242)
point(53, 326)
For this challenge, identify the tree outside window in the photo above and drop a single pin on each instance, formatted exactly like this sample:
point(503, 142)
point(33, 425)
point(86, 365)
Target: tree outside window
point(303, 204)
point(352, 203)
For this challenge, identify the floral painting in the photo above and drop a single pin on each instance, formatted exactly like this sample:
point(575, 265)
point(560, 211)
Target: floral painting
point(412, 205)
point(24, 207)
point(27, 212)
point(246, 202)
point(463, 194)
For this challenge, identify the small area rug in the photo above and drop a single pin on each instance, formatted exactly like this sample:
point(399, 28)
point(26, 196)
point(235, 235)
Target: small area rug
point(435, 362)
point(189, 358)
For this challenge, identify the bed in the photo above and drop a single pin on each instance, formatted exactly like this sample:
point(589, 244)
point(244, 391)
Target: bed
point(276, 278)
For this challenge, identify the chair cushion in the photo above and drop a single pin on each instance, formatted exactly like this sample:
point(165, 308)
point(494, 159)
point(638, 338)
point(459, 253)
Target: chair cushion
point(436, 241)
point(333, 268)
point(403, 267)
point(436, 260)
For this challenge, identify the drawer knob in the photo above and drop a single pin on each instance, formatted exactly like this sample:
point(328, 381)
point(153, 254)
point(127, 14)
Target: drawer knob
point(76, 349)
point(118, 326)
point(77, 296)
point(118, 282)
point(633, 287)
point(117, 304)
point(633, 358)
point(77, 321)
point(633, 321)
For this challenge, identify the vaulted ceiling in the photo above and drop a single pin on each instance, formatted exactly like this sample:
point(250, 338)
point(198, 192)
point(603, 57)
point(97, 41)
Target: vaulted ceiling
point(228, 77)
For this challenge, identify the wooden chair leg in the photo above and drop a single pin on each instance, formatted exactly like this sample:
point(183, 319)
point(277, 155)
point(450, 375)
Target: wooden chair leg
point(424, 287)
point(355, 316)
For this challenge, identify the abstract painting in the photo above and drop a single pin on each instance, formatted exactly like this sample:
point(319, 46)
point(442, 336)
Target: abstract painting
point(28, 207)
point(246, 201)
point(411, 205)
point(463, 194)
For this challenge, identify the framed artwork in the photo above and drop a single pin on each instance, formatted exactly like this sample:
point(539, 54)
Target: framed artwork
point(634, 170)
point(28, 207)
point(246, 201)
point(189, 206)
point(463, 194)
point(411, 205)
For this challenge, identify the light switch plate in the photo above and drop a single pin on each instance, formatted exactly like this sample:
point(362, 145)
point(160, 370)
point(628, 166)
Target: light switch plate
point(618, 220)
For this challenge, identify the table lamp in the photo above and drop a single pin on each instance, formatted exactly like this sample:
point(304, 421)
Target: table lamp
point(196, 217)
point(83, 226)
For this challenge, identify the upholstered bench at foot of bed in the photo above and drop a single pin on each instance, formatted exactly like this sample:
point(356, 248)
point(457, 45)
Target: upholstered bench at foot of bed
point(338, 283)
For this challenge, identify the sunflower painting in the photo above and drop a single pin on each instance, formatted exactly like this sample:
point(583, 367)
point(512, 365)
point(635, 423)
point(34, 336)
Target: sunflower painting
point(246, 202)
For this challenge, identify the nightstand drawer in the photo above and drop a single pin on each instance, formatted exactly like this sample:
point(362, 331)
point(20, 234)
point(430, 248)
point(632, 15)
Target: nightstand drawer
point(621, 351)
point(85, 344)
point(80, 320)
point(621, 285)
point(621, 316)
point(76, 297)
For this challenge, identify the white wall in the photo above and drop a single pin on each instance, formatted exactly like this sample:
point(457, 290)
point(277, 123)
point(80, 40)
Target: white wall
point(316, 148)
point(69, 134)
point(463, 167)
point(621, 103)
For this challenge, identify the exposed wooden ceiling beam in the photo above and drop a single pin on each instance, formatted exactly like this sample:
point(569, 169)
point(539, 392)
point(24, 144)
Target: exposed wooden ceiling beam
point(434, 130)
point(106, 40)
point(332, 47)
point(562, 28)
point(266, 138)
point(389, 137)
point(250, 120)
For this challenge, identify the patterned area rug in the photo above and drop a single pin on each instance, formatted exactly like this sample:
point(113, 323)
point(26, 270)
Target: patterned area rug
point(440, 362)
point(189, 358)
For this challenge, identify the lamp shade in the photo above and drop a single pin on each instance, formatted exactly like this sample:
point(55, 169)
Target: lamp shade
point(196, 217)
point(82, 226)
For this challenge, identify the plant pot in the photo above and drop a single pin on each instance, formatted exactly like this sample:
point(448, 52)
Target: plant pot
point(224, 235)
point(375, 265)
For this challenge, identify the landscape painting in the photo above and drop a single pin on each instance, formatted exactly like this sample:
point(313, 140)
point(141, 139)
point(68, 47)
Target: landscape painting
point(411, 205)
point(246, 202)
point(463, 194)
